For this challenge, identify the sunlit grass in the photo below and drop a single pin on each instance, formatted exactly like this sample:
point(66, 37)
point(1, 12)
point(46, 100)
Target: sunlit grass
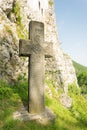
point(11, 98)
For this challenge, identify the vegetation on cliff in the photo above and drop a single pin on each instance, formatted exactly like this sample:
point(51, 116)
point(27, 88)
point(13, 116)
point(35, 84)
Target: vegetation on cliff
point(79, 68)
point(81, 72)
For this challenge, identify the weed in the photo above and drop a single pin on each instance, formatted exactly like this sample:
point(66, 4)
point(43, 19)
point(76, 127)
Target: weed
point(8, 29)
point(51, 3)
point(22, 33)
point(16, 11)
point(73, 89)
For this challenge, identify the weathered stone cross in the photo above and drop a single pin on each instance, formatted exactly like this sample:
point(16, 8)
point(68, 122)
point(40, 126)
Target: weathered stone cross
point(36, 49)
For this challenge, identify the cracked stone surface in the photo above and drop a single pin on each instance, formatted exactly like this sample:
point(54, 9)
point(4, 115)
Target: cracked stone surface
point(44, 118)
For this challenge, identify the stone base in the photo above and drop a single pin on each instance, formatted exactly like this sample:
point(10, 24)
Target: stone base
point(44, 118)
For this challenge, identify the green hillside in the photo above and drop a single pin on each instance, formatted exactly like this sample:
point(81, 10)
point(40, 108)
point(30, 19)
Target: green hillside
point(81, 72)
point(11, 99)
point(79, 68)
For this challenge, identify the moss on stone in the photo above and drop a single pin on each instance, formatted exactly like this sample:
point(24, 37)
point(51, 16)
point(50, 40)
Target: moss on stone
point(22, 33)
point(16, 11)
point(51, 2)
point(8, 29)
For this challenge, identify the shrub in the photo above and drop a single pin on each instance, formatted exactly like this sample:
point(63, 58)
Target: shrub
point(8, 29)
point(50, 2)
point(79, 108)
point(73, 89)
point(21, 88)
point(5, 90)
point(82, 78)
point(84, 89)
point(82, 81)
point(16, 11)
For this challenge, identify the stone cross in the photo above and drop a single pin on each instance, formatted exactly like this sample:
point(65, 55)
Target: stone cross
point(36, 49)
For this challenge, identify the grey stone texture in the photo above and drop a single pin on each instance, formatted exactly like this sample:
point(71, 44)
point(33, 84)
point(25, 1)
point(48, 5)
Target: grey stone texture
point(65, 100)
point(43, 118)
point(36, 51)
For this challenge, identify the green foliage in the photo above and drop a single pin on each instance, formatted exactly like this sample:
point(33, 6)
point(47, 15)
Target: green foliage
point(16, 11)
point(5, 92)
point(73, 89)
point(81, 72)
point(79, 68)
point(79, 108)
point(82, 81)
point(22, 33)
point(8, 102)
point(84, 89)
point(73, 119)
point(82, 78)
point(21, 88)
point(8, 29)
point(10, 124)
point(51, 2)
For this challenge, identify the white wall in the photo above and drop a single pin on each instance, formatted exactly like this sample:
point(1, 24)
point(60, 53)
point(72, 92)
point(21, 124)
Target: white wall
point(34, 4)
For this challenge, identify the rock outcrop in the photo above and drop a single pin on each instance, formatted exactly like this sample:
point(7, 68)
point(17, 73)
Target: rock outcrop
point(15, 16)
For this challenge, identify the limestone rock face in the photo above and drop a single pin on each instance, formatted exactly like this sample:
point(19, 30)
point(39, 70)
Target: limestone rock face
point(66, 100)
point(6, 5)
point(15, 16)
point(10, 63)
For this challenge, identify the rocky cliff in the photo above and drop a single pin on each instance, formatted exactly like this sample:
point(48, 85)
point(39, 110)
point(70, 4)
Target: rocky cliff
point(15, 16)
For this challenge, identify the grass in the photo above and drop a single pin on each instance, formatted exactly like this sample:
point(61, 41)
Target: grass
point(11, 98)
